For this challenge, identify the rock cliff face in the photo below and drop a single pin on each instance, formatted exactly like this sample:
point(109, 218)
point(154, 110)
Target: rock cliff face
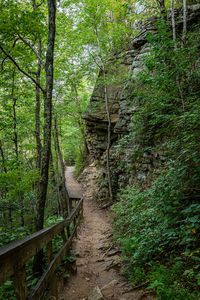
point(121, 71)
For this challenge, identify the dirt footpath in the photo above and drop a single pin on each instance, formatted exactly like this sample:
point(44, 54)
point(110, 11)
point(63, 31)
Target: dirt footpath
point(73, 187)
point(97, 258)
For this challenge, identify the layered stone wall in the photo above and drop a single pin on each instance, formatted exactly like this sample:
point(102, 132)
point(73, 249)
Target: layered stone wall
point(122, 69)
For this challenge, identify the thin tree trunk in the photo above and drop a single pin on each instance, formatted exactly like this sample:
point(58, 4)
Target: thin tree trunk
point(173, 22)
point(184, 17)
point(6, 190)
point(38, 259)
point(51, 170)
point(61, 138)
point(80, 123)
point(37, 112)
point(60, 207)
point(37, 109)
point(111, 17)
point(109, 121)
point(37, 120)
point(3, 157)
point(15, 137)
point(162, 7)
point(66, 201)
point(108, 137)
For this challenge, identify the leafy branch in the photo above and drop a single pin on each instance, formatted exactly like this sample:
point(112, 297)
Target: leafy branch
point(33, 49)
point(21, 70)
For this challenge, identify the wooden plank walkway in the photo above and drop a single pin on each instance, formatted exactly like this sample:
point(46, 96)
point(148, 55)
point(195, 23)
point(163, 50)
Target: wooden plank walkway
point(73, 187)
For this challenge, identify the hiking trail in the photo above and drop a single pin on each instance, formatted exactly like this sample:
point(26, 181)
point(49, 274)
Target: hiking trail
point(97, 257)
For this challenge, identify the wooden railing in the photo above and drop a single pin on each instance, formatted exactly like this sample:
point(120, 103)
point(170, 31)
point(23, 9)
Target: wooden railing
point(14, 256)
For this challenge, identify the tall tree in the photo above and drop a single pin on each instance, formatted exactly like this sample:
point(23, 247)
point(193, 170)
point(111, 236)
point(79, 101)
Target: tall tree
point(43, 183)
point(47, 114)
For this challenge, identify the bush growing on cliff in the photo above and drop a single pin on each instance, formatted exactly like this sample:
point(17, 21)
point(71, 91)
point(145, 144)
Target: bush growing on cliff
point(161, 227)
point(158, 228)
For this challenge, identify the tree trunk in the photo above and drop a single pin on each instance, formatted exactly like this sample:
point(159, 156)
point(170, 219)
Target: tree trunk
point(111, 17)
point(15, 137)
point(38, 259)
point(173, 22)
point(162, 7)
point(81, 123)
point(51, 170)
point(3, 158)
point(47, 116)
point(4, 194)
point(60, 207)
point(37, 109)
point(108, 118)
point(65, 200)
point(37, 120)
point(184, 17)
point(37, 112)
point(61, 138)
point(42, 190)
point(108, 138)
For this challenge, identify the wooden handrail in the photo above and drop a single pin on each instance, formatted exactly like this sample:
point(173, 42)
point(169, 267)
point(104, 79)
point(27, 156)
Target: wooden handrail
point(14, 255)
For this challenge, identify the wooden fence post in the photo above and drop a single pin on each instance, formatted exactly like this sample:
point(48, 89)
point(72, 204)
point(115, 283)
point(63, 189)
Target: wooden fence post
point(54, 286)
point(53, 281)
point(74, 222)
point(68, 231)
point(20, 284)
point(49, 252)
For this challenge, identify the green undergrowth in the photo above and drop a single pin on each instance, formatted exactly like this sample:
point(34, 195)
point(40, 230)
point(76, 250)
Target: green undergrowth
point(158, 234)
point(158, 225)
